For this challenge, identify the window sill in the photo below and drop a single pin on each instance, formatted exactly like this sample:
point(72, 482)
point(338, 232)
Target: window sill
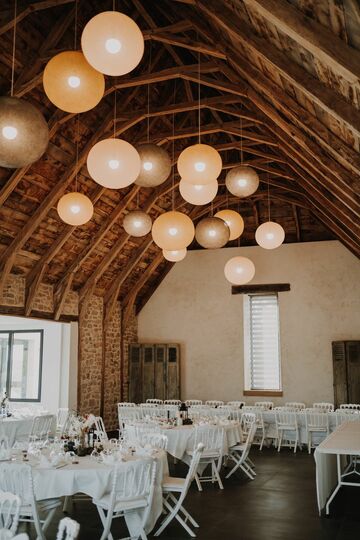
point(268, 393)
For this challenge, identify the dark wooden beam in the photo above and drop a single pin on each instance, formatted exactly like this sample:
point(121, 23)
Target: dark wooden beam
point(261, 288)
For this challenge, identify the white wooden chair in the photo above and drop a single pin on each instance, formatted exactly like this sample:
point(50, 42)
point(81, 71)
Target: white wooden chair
point(287, 425)
point(351, 406)
point(128, 414)
point(41, 427)
point(126, 404)
point(100, 429)
point(214, 403)
point(239, 453)
point(191, 402)
point(9, 511)
point(266, 405)
point(17, 478)
point(5, 534)
point(151, 438)
point(295, 405)
point(61, 418)
point(346, 415)
point(132, 489)
point(212, 437)
point(173, 505)
point(260, 432)
point(316, 423)
point(172, 402)
point(236, 404)
point(155, 401)
point(324, 407)
point(68, 529)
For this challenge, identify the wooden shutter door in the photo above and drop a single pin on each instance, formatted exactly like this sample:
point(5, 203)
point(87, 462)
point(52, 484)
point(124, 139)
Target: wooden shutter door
point(160, 351)
point(173, 372)
point(340, 375)
point(135, 375)
point(353, 370)
point(148, 379)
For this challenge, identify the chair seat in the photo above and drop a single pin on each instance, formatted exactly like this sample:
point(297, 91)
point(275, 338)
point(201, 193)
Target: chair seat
point(121, 504)
point(207, 454)
point(318, 429)
point(237, 447)
point(171, 483)
point(44, 506)
point(289, 427)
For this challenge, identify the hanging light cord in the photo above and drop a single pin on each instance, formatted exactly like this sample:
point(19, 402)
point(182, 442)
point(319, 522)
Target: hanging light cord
point(77, 152)
point(115, 110)
point(199, 97)
point(241, 142)
point(75, 24)
point(268, 190)
point(148, 96)
point(13, 51)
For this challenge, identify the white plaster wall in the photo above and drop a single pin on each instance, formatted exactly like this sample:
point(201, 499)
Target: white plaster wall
point(194, 307)
point(59, 365)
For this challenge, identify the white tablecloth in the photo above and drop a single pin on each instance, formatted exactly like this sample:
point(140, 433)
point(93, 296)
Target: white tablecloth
point(344, 441)
point(270, 426)
point(95, 479)
point(16, 429)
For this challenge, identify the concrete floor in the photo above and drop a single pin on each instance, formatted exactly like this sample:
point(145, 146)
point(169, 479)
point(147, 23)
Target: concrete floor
point(280, 504)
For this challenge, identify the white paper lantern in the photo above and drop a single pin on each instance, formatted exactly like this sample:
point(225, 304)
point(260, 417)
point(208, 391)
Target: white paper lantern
point(75, 208)
point(137, 223)
point(113, 163)
point(155, 165)
point(173, 231)
point(239, 270)
point(233, 220)
point(112, 43)
point(212, 233)
point(174, 255)
point(270, 235)
point(242, 181)
point(198, 194)
point(199, 164)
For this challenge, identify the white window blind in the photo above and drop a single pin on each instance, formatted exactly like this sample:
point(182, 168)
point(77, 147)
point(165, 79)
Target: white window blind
point(263, 342)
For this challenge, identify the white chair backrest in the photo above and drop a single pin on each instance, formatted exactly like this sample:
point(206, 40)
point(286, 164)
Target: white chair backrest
point(191, 402)
point(129, 414)
point(265, 405)
point(9, 511)
point(41, 427)
point(155, 440)
point(61, 417)
point(172, 402)
point(247, 420)
point(133, 482)
point(295, 405)
point(214, 403)
point(212, 437)
point(193, 467)
point(100, 429)
point(236, 404)
point(347, 415)
point(68, 529)
point(317, 420)
point(126, 404)
point(351, 406)
point(325, 407)
point(285, 418)
point(16, 478)
point(224, 411)
point(155, 401)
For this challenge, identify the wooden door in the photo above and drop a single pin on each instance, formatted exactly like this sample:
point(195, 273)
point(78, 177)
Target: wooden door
point(135, 373)
point(148, 372)
point(173, 372)
point(160, 371)
point(353, 370)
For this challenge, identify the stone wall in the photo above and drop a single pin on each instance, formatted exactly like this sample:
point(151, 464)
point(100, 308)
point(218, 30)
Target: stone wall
point(101, 347)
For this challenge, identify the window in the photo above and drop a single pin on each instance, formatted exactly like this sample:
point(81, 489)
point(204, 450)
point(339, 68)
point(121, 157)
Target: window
point(262, 343)
point(21, 364)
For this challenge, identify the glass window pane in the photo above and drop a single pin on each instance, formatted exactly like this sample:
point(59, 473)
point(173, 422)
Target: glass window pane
point(4, 355)
point(25, 365)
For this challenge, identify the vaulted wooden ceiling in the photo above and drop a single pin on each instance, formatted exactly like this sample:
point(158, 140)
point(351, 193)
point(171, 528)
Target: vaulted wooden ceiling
point(279, 78)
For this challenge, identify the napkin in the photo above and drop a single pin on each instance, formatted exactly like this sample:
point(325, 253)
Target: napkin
point(52, 463)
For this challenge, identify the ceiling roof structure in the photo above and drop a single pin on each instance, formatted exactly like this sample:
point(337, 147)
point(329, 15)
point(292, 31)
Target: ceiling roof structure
point(279, 84)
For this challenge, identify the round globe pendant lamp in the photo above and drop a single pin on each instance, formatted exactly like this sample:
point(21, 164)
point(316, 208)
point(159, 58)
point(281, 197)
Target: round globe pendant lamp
point(233, 220)
point(199, 164)
point(242, 181)
point(75, 208)
point(239, 270)
point(198, 194)
point(137, 223)
point(212, 233)
point(113, 163)
point(270, 235)
point(155, 165)
point(71, 83)
point(24, 133)
point(173, 231)
point(112, 43)
point(174, 255)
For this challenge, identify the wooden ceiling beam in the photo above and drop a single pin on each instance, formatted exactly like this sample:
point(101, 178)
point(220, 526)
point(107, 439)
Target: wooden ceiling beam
point(327, 98)
point(311, 35)
point(185, 43)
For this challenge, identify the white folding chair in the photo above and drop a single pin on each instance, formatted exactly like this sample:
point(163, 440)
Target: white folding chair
point(351, 406)
point(324, 407)
point(17, 479)
point(41, 427)
point(5, 534)
point(191, 402)
point(126, 404)
point(172, 402)
point(155, 401)
point(152, 437)
point(9, 511)
point(61, 418)
point(68, 529)
point(132, 489)
point(128, 414)
point(239, 453)
point(214, 403)
point(100, 429)
point(212, 437)
point(260, 433)
point(295, 405)
point(265, 405)
point(316, 422)
point(347, 415)
point(236, 404)
point(287, 425)
point(181, 486)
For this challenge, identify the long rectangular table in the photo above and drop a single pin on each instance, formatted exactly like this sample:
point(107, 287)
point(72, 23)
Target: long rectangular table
point(331, 466)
